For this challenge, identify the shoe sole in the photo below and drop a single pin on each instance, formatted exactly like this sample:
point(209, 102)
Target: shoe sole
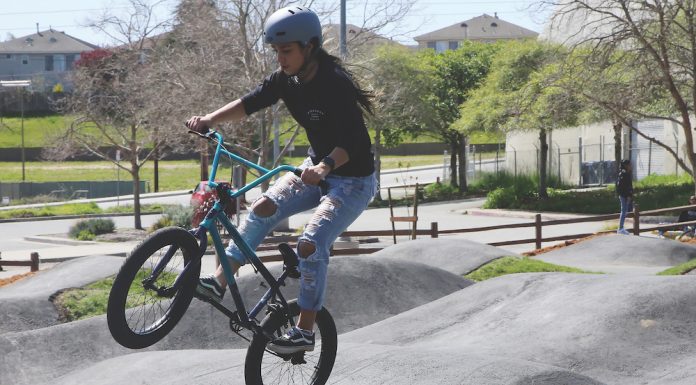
point(207, 295)
point(289, 350)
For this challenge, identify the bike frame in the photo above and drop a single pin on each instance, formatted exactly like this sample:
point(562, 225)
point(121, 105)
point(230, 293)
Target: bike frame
point(241, 316)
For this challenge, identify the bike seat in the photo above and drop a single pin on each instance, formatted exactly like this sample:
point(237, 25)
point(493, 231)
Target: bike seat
point(290, 260)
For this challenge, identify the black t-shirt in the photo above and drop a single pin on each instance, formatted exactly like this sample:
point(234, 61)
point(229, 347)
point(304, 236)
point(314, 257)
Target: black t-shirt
point(327, 108)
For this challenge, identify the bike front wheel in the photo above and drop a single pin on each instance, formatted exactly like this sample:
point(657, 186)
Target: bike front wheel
point(144, 307)
point(264, 367)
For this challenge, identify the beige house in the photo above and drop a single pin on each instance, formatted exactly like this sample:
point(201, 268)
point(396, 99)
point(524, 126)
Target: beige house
point(484, 28)
point(45, 57)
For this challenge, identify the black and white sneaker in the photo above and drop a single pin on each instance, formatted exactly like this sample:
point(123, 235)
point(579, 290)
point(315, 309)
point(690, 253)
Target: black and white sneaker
point(210, 288)
point(293, 341)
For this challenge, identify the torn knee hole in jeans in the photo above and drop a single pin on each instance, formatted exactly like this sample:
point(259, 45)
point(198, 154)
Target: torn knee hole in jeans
point(305, 249)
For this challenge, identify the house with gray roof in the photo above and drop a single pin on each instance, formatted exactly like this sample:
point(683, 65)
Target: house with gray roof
point(484, 28)
point(46, 58)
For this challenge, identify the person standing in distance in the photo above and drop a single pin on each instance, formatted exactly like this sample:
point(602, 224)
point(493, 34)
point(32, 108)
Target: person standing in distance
point(624, 188)
point(324, 98)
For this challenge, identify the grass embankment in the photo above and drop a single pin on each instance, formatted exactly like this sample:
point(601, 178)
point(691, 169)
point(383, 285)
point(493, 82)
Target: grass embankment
point(514, 265)
point(91, 300)
point(682, 269)
point(173, 175)
point(76, 209)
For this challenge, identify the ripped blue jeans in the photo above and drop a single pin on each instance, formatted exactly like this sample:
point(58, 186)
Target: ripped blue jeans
point(345, 200)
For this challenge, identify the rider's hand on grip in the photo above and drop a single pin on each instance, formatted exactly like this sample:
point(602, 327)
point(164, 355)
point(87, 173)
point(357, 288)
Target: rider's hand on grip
point(323, 185)
point(199, 124)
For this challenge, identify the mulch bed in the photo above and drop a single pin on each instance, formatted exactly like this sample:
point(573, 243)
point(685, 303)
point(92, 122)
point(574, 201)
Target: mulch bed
point(14, 278)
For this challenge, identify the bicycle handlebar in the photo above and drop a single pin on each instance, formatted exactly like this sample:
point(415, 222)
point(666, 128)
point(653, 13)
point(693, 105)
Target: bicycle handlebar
point(323, 185)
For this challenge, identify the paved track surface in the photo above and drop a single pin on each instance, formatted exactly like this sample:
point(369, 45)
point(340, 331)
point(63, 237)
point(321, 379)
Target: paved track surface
point(362, 290)
point(404, 322)
point(622, 254)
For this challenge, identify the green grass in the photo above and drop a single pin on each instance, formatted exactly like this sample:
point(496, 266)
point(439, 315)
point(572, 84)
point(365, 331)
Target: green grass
point(36, 130)
point(173, 174)
point(91, 300)
point(680, 269)
point(513, 265)
point(76, 209)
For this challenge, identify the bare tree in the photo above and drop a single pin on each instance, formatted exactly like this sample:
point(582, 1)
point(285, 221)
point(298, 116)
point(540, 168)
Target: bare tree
point(636, 59)
point(110, 98)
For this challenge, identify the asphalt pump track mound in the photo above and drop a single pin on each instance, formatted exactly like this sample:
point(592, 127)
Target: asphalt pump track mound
point(520, 329)
point(622, 254)
point(361, 290)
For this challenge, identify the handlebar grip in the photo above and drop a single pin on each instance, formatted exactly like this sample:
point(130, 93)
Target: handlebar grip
point(323, 185)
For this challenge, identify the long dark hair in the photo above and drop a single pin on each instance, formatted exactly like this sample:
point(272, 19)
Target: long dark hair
point(364, 96)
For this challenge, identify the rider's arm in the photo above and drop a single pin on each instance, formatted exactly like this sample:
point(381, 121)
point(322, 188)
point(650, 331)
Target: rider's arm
point(233, 111)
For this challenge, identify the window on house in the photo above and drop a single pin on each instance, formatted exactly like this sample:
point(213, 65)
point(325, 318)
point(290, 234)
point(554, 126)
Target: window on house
point(59, 62)
point(441, 46)
point(69, 62)
point(49, 63)
point(8, 56)
point(431, 44)
point(453, 44)
point(25, 59)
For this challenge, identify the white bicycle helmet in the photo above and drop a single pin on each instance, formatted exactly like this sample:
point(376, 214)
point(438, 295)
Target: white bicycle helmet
point(291, 24)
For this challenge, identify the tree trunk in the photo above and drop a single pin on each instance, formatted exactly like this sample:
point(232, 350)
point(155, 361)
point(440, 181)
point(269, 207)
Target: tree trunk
point(454, 150)
point(136, 196)
point(543, 153)
point(618, 150)
point(378, 160)
point(463, 186)
point(204, 160)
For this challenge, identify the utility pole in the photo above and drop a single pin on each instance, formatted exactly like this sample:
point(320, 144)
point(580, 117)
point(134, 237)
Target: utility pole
point(22, 84)
point(342, 35)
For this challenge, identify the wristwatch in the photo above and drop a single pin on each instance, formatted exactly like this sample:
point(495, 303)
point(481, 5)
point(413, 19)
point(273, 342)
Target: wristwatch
point(329, 162)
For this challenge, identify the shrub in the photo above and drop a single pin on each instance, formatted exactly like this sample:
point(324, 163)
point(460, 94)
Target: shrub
point(89, 228)
point(440, 191)
point(176, 215)
point(521, 192)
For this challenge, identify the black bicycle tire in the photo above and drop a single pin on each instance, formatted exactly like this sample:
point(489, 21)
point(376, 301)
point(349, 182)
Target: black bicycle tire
point(116, 308)
point(329, 341)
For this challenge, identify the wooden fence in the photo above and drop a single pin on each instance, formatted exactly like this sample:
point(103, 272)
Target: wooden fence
point(434, 232)
point(33, 262)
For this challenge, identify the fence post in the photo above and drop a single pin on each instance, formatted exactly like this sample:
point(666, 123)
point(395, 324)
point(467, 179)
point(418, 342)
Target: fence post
point(433, 229)
point(580, 161)
point(537, 225)
point(1, 261)
point(649, 156)
point(636, 220)
point(34, 261)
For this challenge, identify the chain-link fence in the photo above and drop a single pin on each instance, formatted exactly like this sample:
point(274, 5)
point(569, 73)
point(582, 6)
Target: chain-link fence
point(593, 164)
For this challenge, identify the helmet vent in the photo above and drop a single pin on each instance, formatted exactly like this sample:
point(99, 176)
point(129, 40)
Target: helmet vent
point(291, 11)
point(281, 33)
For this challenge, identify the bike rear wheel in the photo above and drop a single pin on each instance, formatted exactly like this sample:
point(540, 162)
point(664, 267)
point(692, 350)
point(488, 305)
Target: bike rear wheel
point(264, 367)
point(140, 313)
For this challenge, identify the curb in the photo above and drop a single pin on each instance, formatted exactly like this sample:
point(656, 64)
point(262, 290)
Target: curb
point(58, 241)
point(520, 214)
point(81, 216)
